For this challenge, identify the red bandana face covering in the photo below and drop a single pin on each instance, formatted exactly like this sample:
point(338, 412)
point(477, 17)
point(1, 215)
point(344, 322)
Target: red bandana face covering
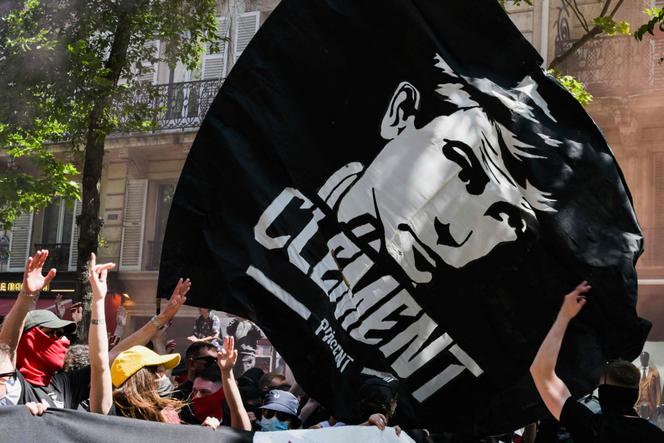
point(210, 406)
point(39, 356)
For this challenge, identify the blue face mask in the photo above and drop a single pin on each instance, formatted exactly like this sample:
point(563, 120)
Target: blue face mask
point(273, 424)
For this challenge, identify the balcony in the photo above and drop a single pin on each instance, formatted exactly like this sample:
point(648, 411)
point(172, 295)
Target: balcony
point(616, 66)
point(58, 255)
point(180, 105)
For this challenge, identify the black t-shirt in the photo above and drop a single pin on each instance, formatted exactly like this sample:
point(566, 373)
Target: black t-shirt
point(584, 426)
point(66, 389)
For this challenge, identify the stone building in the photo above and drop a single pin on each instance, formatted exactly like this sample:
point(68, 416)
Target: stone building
point(141, 169)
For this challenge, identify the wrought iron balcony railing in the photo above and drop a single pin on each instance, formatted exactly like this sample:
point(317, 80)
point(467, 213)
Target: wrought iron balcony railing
point(618, 65)
point(181, 105)
point(58, 255)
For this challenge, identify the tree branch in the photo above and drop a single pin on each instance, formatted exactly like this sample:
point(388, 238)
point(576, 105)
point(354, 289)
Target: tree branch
point(594, 32)
point(577, 12)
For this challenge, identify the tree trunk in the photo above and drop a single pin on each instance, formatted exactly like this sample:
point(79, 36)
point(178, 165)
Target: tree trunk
point(89, 222)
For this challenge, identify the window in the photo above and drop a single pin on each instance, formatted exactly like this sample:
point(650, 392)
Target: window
point(59, 235)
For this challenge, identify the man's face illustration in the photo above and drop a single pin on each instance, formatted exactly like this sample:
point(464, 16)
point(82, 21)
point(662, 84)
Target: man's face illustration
point(440, 191)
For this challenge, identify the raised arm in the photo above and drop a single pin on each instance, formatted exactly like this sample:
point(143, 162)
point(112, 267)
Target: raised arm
point(33, 283)
point(226, 360)
point(143, 335)
point(551, 388)
point(101, 389)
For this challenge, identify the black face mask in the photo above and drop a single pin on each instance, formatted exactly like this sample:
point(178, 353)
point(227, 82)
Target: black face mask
point(617, 400)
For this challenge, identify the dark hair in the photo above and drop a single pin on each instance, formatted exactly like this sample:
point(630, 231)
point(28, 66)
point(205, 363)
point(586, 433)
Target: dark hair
point(622, 373)
point(266, 380)
point(210, 374)
point(376, 398)
point(196, 347)
point(77, 357)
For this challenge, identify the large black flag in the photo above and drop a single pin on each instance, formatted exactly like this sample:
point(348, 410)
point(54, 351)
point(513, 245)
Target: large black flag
point(396, 186)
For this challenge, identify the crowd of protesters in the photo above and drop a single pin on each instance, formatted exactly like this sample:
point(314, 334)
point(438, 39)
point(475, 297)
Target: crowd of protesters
point(134, 378)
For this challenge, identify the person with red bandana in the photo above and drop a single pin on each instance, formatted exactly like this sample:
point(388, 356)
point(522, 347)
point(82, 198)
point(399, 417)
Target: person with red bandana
point(37, 341)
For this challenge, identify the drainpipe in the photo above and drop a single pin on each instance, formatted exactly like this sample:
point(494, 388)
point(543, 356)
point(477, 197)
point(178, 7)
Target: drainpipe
point(544, 33)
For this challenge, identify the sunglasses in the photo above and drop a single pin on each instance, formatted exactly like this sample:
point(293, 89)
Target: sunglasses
point(53, 333)
point(8, 375)
point(282, 416)
point(206, 361)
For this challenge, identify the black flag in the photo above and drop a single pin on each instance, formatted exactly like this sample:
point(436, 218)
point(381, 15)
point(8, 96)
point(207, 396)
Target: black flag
point(396, 187)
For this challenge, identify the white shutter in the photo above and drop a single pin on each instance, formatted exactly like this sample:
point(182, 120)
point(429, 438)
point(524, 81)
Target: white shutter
point(131, 250)
point(214, 63)
point(75, 233)
point(19, 243)
point(245, 29)
point(151, 74)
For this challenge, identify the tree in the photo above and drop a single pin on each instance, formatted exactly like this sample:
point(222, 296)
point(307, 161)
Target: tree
point(61, 65)
point(603, 23)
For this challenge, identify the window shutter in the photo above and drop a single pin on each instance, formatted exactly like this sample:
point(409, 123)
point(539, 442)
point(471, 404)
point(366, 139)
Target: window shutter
point(214, 63)
point(75, 234)
point(151, 74)
point(19, 243)
point(246, 28)
point(131, 250)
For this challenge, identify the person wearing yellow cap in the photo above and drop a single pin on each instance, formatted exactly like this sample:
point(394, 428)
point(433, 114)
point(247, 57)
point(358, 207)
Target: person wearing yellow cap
point(134, 374)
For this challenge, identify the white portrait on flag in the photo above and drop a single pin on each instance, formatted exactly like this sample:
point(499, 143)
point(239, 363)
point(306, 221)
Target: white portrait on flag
point(441, 191)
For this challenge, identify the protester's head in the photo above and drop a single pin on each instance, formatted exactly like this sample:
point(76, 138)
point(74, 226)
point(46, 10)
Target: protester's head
point(207, 382)
point(43, 346)
point(207, 394)
point(135, 374)
point(77, 357)
point(644, 358)
point(205, 313)
point(252, 395)
point(200, 355)
point(273, 380)
point(379, 396)
point(279, 411)
point(467, 188)
point(621, 373)
point(619, 387)
point(8, 382)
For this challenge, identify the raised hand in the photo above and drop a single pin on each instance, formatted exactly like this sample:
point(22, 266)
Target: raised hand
point(33, 280)
point(177, 298)
point(227, 356)
point(97, 275)
point(575, 300)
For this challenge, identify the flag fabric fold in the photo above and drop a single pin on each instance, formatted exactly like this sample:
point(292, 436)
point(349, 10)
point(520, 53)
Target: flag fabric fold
point(397, 187)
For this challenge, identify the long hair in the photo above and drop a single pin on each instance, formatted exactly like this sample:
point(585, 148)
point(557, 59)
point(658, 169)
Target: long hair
point(138, 397)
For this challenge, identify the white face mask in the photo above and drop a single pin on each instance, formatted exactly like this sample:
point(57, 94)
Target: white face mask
point(13, 393)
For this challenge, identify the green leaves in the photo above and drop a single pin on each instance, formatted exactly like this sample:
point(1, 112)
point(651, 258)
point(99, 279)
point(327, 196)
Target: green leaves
point(656, 16)
point(573, 86)
point(611, 27)
point(55, 73)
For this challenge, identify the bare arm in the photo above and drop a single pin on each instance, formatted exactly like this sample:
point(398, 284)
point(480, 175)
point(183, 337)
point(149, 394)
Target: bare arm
point(143, 335)
point(226, 360)
point(101, 388)
point(551, 388)
point(33, 283)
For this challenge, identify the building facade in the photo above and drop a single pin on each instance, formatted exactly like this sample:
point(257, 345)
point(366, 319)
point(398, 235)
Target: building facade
point(141, 170)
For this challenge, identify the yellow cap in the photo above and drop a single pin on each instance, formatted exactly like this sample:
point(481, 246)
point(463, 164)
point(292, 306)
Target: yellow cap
point(127, 363)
